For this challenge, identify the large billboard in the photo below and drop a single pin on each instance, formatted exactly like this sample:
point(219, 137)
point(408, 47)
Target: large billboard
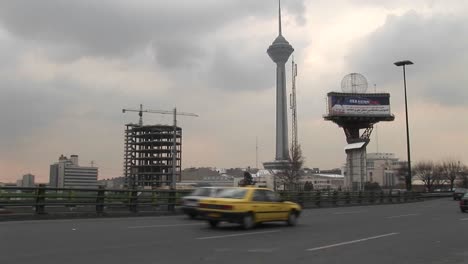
point(347, 104)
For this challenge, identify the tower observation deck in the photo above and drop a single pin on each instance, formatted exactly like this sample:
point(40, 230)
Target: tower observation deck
point(354, 110)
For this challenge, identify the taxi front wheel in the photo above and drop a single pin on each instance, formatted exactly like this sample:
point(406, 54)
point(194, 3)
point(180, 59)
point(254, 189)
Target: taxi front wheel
point(292, 218)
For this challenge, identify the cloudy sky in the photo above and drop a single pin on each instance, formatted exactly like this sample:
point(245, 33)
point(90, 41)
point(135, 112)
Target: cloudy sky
point(67, 68)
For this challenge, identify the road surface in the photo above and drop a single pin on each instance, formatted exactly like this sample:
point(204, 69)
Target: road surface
point(425, 232)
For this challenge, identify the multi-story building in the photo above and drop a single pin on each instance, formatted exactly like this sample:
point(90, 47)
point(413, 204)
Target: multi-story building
point(28, 180)
point(67, 173)
point(382, 168)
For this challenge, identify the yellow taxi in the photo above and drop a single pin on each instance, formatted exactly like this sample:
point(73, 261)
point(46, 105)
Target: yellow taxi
point(248, 206)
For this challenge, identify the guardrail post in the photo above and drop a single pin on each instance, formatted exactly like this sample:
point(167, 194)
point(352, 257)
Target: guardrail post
point(300, 198)
point(100, 200)
point(318, 197)
point(360, 197)
point(382, 197)
point(171, 200)
point(308, 198)
point(372, 197)
point(154, 197)
point(399, 196)
point(133, 200)
point(69, 200)
point(335, 198)
point(405, 197)
point(40, 199)
point(348, 197)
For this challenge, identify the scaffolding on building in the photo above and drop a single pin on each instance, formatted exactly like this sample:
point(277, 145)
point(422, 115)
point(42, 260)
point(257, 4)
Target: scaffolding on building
point(149, 155)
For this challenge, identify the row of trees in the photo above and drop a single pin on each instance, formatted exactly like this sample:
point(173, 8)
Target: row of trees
point(448, 173)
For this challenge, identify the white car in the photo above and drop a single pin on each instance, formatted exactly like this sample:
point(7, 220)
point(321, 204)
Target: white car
point(190, 202)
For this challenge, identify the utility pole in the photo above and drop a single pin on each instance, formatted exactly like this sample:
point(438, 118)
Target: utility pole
point(256, 152)
point(409, 177)
point(294, 106)
point(376, 130)
point(174, 152)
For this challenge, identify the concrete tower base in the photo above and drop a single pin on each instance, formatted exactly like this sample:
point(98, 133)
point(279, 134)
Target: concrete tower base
point(356, 167)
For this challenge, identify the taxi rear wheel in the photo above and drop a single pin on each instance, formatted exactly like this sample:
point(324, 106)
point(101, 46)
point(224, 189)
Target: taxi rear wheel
point(213, 223)
point(292, 218)
point(248, 221)
point(192, 215)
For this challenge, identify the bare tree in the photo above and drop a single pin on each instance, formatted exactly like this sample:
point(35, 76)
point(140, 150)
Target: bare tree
point(425, 171)
point(450, 170)
point(440, 180)
point(463, 174)
point(291, 176)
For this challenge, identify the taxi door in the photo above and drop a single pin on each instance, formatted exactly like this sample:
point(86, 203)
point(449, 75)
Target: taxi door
point(279, 209)
point(260, 206)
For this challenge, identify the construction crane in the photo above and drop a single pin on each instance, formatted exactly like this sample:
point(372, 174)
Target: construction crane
point(164, 112)
point(174, 148)
point(294, 106)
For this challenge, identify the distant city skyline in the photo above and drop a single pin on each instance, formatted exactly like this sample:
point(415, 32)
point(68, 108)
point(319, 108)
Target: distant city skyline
point(67, 70)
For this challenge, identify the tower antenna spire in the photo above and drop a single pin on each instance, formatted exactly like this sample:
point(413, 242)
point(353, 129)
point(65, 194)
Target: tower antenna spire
point(279, 16)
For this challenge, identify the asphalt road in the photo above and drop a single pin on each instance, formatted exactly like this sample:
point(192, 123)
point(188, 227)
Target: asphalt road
point(426, 232)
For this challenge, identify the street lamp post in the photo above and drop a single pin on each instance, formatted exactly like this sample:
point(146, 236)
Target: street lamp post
point(408, 177)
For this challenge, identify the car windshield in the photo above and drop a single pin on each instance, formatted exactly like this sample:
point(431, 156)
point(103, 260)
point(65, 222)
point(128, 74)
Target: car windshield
point(232, 193)
point(201, 192)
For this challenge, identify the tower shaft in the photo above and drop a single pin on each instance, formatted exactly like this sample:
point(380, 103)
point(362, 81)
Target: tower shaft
point(282, 149)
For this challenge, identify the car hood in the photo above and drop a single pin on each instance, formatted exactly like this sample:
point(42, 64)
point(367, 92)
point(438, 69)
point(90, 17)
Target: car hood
point(194, 197)
point(213, 200)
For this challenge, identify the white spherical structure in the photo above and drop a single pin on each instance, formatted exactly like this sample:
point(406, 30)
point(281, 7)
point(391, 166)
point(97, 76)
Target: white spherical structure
point(354, 83)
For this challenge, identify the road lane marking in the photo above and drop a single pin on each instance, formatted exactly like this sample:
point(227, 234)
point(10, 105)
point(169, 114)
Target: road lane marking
point(349, 212)
point(351, 242)
point(149, 226)
point(464, 219)
point(261, 250)
point(398, 216)
point(241, 234)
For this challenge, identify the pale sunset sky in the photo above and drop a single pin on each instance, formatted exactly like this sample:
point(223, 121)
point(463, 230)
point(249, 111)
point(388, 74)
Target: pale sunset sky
point(67, 68)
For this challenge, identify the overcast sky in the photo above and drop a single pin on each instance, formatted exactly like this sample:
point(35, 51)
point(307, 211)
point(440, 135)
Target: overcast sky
point(67, 68)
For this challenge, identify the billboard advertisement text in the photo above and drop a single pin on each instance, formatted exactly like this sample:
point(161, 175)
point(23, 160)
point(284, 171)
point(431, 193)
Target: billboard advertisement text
point(359, 105)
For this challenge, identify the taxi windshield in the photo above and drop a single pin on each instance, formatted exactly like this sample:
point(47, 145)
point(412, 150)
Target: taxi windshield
point(201, 192)
point(232, 193)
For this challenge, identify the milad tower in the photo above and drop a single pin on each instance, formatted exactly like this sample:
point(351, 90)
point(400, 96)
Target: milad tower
point(279, 51)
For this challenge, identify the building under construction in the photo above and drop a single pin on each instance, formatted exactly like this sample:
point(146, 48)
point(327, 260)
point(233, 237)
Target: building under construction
point(148, 157)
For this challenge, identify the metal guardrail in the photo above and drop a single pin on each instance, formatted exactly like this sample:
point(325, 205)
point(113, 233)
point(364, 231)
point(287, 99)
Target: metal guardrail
point(100, 201)
point(336, 198)
point(41, 198)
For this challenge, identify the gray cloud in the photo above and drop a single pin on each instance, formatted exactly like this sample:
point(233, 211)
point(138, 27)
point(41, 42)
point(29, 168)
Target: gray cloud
point(437, 46)
point(174, 53)
point(119, 28)
point(26, 107)
point(233, 71)
point(395, 4)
